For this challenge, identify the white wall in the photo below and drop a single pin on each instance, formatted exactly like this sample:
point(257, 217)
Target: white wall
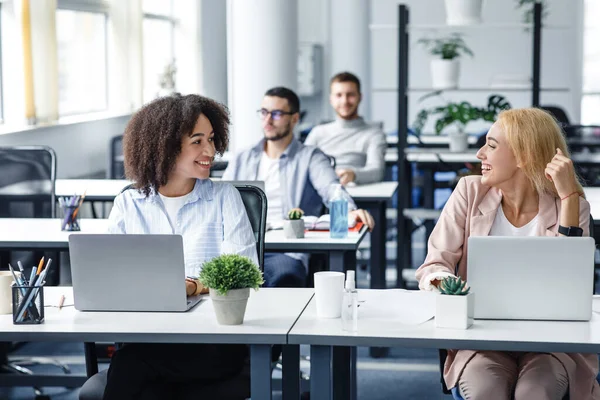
point(496, 51)
point(81, 148)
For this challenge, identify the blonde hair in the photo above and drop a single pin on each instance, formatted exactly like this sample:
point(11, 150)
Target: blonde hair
point(533, 135)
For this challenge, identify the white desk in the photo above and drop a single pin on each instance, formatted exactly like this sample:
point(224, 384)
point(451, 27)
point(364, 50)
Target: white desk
point(428, 140)
point(45, 233)
point(432, 156)
point(270, 314)
point(325, 335)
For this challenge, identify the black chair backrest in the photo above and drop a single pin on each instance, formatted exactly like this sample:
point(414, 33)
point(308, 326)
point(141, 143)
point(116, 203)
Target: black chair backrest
point(331, 160)
point(27, 182)
point(558, 113)
point(255, 202)
point(116, 169)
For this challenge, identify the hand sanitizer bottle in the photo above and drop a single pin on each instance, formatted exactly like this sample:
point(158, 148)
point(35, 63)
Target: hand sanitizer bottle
point(338, 209)
point(350, 304)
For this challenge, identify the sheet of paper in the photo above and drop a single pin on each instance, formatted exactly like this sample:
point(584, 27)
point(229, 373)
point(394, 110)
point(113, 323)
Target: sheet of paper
point(409, 307)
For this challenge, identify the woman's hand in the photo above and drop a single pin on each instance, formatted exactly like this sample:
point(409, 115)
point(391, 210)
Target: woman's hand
point(560, 171)
point(365, 217)
point(190, 287)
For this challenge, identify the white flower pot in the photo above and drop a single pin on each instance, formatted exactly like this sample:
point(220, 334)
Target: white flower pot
point(293, 229)
point(230, 309)
point(458, 142)
point(444, 73)
point(463, 12)
point(455, 312)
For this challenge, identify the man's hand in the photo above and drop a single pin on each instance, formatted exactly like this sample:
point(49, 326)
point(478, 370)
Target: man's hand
point(365, 217)
point(346, 176)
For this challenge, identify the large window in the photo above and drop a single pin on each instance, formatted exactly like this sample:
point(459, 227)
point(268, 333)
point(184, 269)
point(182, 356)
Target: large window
point(159, 50)
point(590, 102)
point(82, 60)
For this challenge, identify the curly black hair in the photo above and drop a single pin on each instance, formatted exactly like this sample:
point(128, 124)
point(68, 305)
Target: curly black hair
point(152, 139)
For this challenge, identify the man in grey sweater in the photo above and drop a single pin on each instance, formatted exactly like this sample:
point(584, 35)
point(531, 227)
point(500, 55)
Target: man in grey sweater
point(358, 148)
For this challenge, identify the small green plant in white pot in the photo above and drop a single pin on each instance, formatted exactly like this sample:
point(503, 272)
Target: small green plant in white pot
point(445, 67)
point(229, 279)
point(455, 305)
point(293, 227)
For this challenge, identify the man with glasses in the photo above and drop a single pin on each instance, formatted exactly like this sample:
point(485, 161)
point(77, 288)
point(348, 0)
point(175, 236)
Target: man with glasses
point(295, 175)
point(358, 147)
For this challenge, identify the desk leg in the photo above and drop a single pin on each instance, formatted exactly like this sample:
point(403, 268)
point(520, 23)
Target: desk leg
point(291, 372)
point(260, 375)
point(91, 359)
point(378, 262)
point(320, 373)
point(336, 261)
point(378, 251)
point(344, 373)
point(428, 196)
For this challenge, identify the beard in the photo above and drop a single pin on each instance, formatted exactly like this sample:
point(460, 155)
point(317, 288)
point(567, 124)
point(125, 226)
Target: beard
point(348, 113)
point(280, 135)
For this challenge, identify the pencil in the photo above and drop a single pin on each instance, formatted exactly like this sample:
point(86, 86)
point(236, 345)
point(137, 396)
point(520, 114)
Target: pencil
point(61, 301)
point(40, 265)
point(79, 206)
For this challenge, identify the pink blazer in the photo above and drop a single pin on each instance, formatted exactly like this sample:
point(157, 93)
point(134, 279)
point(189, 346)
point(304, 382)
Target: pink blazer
point(471, 211)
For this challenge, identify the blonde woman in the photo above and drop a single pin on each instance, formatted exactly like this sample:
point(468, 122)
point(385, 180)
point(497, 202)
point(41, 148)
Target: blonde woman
point(528, 187)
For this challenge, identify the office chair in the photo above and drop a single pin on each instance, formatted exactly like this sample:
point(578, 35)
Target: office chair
point(116, 169)
point(255, 202)
point(558, 113)
point(443, 353)
point(27, 191)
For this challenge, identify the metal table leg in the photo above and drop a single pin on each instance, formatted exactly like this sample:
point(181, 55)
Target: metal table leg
point(260, 375)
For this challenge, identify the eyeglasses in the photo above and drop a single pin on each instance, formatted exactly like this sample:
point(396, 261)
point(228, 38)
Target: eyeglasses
point(275, 114)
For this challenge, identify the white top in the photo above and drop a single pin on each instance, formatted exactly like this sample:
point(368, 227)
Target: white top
point(268, 171)
point(503, 227)
point(173, 205)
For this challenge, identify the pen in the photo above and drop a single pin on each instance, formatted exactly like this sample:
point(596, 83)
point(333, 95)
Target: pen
point(61, 301)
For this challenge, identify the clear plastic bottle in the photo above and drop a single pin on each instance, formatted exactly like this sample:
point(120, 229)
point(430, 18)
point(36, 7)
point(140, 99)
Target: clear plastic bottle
point(338, 210)
point(350, 304)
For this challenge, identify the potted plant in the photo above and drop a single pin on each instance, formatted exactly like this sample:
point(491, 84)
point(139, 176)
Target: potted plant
point(293, 227)
point(229, 278)
point(459, 115)
point(445, 70)
point(455, 305)
point(463, 12)
point(527, 6)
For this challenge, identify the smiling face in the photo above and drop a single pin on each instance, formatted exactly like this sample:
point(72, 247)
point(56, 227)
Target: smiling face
point(197, 151)
point(498, 163)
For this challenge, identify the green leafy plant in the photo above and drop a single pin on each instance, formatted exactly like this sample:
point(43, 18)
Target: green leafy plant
point(527, 5)
point(448, 48)
point(454, 286)
point(230, 271)
point(460, 114)
point(295, 213)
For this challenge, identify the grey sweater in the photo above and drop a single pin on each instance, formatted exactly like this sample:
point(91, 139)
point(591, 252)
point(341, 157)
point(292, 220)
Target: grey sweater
point(355, 145)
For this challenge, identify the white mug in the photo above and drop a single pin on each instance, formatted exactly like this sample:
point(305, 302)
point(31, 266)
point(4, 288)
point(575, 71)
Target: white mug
point(6, 280)
point(329, 291)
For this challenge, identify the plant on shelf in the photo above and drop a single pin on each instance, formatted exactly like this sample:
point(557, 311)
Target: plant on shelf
point(293, 227)
point(528, 5)
point(459, 115)
point(454, 307)
point(454, 286)
point(445, 67)
point(229, 278)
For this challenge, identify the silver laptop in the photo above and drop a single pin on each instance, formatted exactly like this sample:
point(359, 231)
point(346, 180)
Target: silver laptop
point(129, 273)
point(536, 278)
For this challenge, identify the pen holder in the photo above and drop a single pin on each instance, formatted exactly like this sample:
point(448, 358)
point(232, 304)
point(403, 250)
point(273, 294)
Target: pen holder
point(28, 304)
point(70, 220)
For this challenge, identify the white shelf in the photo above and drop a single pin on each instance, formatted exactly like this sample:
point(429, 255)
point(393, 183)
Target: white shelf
point(484, 25)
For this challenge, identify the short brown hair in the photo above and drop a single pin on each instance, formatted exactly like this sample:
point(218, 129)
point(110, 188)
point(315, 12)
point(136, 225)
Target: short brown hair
point(345, 77)
point(152, 139)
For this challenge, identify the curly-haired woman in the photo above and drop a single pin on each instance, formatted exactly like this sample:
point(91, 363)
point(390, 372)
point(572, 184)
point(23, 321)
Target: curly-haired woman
point(169, 146)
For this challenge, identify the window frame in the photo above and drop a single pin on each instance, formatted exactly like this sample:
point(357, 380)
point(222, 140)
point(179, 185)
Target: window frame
point(166, 18)
point(94, 7)
point(586, 93)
